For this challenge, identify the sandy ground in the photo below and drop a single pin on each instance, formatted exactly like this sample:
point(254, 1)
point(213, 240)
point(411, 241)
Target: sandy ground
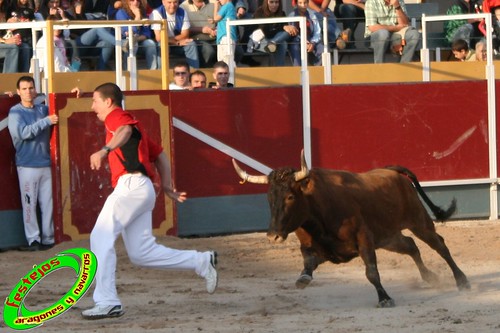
point(257, 289)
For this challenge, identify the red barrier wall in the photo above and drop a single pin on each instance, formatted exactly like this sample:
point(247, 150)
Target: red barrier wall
point(9, 196)
point(439, 130)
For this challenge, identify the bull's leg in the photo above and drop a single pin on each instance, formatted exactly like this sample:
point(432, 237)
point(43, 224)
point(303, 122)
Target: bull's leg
point(436, 242)
point(311, 261)
point(369, 257)
point(406, 245)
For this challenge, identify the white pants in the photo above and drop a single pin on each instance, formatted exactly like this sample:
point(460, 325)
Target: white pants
point(35, 185)
point(223, 49)
point(128, 211)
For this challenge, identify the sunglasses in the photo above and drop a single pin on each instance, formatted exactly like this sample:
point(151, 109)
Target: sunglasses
point(180, 73)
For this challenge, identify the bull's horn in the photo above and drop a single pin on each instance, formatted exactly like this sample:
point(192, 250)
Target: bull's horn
point(304, 171)
point(249, 178)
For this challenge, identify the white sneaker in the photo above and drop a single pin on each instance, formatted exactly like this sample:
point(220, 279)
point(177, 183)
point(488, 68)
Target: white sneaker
point(211, 276)
point(103, 311)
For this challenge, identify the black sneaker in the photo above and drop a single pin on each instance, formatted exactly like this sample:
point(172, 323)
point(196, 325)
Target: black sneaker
point(45, 247)
point(35, 246)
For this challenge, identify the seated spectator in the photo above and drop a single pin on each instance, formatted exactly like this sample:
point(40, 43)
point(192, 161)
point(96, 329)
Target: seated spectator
point(221, 76)
point(350, 13)
point(97, 9)
point(142, 35)
point(23, 11)
point(315, 45)
point(274, 35)
point(101, 42)
point(387, 25)
point(181, 76)
point(467, 30)
point(461, 51)
point(178, 31)
point(481, 52)
point(61, 61)
point(197, 80)
point(321, 10)
point(9, 50)
point(201, 31)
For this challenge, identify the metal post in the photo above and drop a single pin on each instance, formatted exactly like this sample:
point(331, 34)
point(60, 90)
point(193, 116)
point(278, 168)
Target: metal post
point(325, 56)
point(306, 98)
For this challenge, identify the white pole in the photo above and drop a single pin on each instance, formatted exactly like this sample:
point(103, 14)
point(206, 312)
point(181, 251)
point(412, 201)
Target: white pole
point(490, 76)
point(325, 56)
point(306, 98)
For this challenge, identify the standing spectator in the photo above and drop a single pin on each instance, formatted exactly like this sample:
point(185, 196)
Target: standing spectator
point(181, 76)
point(9, 50)
point(221, 76)
point(350, 13)
point(275, 35)
point(224, 10)
point(387, 24)
point(23, 11)
point(467, 30)
point(201, 31)
point(178, 31)
point(197, 80)
point(128, 210)
point(136, 10)
point(314, 41)
point(461, 51)
point(29, 127)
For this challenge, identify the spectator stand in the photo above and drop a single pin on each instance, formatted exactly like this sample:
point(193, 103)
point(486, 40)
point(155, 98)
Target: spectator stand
point(362, 52)
point(45, 84)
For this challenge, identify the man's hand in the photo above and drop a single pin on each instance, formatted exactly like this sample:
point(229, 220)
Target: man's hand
point(77, 91)
point(53, 119)
point(96, 159)
point(174, 195)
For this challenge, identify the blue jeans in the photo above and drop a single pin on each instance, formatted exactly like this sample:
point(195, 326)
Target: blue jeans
point(381, 39)
point(10, 53)
point(190, 51)
point(351, 15)
point(280, 39)
point(25, 55)
point(148, 48)
point(314, 56)
point(103, 40)
point(333, 29)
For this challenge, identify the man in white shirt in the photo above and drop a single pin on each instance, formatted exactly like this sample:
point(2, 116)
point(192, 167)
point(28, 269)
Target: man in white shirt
point(181, 76)
point(178, 31)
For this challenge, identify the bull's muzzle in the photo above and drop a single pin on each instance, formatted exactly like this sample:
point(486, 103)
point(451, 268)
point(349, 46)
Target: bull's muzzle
point(275, 238)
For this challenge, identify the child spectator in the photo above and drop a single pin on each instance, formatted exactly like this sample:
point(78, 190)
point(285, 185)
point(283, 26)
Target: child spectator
point(224, 10)
point(461, 51)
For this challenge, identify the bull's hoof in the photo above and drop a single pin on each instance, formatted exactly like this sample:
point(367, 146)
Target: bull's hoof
point(464, 285)
point(386, 303)
point(303, 281)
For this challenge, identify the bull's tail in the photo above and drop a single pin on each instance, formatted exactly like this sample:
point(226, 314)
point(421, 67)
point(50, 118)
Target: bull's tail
point(439, 213)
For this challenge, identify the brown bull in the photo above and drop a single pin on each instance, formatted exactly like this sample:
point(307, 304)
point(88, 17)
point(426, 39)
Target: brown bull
point(340, 215)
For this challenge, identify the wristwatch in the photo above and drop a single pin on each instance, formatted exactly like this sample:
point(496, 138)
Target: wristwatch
point(107, 149)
